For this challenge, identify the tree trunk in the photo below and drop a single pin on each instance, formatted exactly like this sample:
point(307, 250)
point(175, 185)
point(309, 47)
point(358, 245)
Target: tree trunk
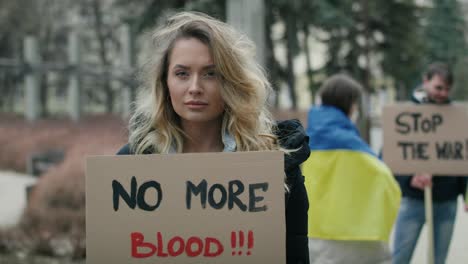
point(366, 80)
point(270, 59)
point(401, 92)
point(44, 95)
point(291, 35)
point(310, 76)
point(109, 93)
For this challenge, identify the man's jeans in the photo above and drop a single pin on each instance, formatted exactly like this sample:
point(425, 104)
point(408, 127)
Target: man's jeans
point(410, 221)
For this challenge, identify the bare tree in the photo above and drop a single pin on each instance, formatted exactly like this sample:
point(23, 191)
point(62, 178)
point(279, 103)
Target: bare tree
point(102, 51)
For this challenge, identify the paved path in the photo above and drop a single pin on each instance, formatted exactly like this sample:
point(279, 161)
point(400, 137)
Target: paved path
point(13, 196)
point(458, 253)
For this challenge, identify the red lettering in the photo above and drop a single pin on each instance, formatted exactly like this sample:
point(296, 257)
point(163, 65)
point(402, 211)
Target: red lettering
point(170, 246)
point(189, 249)
point(219, 247)
point(194, 246)
point(160, 246)
point(138, 241)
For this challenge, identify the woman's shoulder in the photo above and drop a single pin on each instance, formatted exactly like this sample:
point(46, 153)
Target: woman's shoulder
point(125, 150)
point(290, 133)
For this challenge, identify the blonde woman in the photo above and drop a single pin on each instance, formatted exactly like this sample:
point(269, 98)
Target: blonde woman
point(204, 92)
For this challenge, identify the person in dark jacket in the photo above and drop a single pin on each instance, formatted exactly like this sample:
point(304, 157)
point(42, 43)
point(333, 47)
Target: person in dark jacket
point(204, 92)
point(437, 83)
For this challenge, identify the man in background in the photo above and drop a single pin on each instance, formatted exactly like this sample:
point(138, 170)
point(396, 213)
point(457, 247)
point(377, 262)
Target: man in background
point(436, 88)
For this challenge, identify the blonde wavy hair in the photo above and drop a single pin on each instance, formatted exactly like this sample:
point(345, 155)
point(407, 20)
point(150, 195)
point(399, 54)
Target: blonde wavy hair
point(155, 127)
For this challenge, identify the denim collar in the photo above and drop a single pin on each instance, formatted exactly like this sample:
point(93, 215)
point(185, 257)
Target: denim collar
point(228, 141)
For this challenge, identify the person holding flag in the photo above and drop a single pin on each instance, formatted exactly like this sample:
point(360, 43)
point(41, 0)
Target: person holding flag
point(353, 196)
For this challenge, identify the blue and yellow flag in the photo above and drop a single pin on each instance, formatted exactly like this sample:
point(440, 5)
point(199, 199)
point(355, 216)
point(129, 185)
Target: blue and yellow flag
point(352, 194)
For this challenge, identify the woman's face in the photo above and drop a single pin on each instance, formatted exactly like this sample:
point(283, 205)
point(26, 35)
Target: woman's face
point(194, 86)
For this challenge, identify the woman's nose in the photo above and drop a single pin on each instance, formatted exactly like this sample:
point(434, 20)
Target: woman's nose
point(195, 87)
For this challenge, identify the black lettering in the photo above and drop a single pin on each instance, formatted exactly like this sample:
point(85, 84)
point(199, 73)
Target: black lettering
point(141, 195)
point(458, 155)
point(466, 146)
point(200, 189)
point(417, 150)
point(443, 150)
point(416, 117)
point(119, 191)
point(233, 195)
point(426, 125)
point(222, 200)
point(437, 120)
point(404, 128)
point(421, 150)
point(450, 150)
point(405, 145)
point(418, 123)
point(253, 199)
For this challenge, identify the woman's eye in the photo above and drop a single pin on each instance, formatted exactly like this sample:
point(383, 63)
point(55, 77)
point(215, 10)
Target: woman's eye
point(210, 74)
point(181, 74)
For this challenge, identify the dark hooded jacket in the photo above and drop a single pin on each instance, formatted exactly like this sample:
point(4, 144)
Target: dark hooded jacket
point(291, 136)
point(443, 188)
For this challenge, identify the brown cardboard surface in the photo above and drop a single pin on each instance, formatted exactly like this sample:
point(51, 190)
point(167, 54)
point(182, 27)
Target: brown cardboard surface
point(246, 237)
point(434, 137)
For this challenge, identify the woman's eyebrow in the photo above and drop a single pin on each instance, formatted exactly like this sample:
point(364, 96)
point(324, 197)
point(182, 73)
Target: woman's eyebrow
point(181, 66)
point(209, 67)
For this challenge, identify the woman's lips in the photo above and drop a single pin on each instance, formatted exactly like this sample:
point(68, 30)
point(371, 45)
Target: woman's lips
point(196, 104)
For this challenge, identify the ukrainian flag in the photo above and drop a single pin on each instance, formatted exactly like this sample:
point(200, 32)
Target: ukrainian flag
point(352, 194)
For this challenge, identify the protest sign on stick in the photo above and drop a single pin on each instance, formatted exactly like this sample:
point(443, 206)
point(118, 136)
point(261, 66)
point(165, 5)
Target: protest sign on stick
point(426, 138)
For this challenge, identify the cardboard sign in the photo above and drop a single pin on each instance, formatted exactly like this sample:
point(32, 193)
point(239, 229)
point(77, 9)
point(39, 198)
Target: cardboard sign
point(186, 208)
point(426, 138)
